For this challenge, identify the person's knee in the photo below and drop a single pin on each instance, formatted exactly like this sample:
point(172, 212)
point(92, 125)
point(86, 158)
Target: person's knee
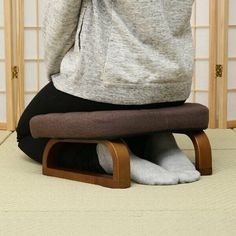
point(33, 148)
point(22, 129)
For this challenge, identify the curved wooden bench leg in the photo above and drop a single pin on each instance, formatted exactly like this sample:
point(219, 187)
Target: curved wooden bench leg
point(203, 157)
point(121, 164)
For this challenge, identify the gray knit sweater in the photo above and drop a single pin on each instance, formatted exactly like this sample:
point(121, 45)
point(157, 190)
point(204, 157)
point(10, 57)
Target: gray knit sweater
point(120, 51)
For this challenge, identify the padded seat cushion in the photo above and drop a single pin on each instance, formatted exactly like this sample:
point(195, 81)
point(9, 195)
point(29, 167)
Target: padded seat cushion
point(119, 123)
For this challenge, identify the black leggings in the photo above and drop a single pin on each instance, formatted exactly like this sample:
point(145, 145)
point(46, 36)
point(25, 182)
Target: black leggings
point(82, 156)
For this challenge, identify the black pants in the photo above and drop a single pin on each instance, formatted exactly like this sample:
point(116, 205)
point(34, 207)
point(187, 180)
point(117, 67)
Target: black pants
point(81, 156)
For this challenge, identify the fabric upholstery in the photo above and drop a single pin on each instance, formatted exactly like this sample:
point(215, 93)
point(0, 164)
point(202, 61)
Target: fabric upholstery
point(119, 123)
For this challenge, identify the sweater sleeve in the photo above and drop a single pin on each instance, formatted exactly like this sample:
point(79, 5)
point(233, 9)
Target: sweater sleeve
point(60, 21)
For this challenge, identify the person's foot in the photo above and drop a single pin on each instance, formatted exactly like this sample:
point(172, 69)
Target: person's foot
point(142, 171)
point(162, 149)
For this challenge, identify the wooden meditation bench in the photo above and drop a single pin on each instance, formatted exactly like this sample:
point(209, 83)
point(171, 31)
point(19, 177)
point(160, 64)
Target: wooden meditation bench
point(108, 127)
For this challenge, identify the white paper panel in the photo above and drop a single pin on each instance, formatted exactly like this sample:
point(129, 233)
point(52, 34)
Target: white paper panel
point(41, 46)
point(231, 111)
point(2, 107)
point(202, 74)
point(2, 46)
point(30, 11)
point(231, 106)
point(232, 74)
point(28, 98)
point(202, 12)
point(41, 9)
point(1, 13)
point(2, 77)
point(232, 10)
point(2, 67)
point(202, 42)
point(201, 37)
point(31, 76)
point(42, 75)
point(190, 98)
point(30, 44)
point(232, 42)
point(202, 98)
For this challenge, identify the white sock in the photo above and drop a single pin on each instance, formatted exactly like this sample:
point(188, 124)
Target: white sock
point(142, 171)
point(163, 150)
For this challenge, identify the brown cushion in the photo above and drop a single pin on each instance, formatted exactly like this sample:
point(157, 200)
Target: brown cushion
point(119, 123)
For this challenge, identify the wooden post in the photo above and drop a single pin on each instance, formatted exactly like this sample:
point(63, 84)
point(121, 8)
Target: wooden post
point(20, 56)
point(223, 92)
point(212, 63)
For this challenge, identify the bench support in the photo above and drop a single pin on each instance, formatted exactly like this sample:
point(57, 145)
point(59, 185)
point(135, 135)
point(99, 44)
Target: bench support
point(203, 157)
point(121, 161)
point(120, 157)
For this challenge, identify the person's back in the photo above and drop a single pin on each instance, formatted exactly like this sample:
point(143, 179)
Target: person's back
point(121, 51)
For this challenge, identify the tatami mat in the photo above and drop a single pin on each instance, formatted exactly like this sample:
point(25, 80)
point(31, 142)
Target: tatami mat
point(219, 139)
point(33, 204)
point(4, 135)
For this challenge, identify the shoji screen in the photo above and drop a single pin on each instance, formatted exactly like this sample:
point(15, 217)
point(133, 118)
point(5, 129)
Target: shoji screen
point(7, 116)
point(200, 32)
point(28, 53)
point(202, 21)
point(231, 111)
point(33, 65)
point(3, 115)
point(228, 60)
